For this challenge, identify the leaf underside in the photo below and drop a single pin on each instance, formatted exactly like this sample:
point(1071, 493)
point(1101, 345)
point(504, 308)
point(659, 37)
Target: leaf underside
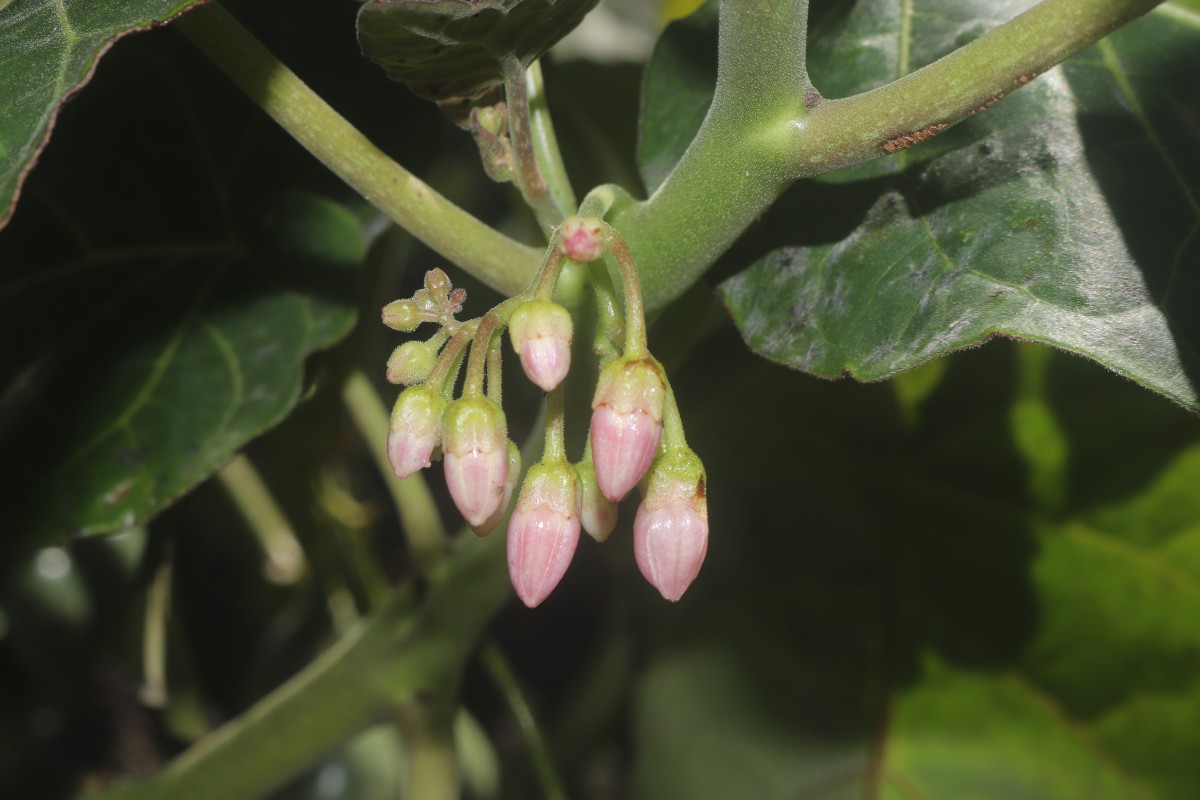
point(450, 50)
point(48, 51)
point(1066, 214)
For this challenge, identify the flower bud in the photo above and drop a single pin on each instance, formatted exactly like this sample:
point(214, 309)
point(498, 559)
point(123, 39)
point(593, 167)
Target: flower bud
point(402, 315)
point(510, 483)
point(411, 363)
point(415, 429)
point(670, 532)
point(543, 530)
point(541, 334)
point(437, 283)
point(626, 423)
point(475, 443)
point(599, 514)
point(582, 238)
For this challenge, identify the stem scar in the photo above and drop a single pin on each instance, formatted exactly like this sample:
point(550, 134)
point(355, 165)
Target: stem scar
point(904, 141)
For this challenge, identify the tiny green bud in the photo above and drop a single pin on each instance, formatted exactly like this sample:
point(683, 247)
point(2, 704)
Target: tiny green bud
point(411, 363)
point(402, 315)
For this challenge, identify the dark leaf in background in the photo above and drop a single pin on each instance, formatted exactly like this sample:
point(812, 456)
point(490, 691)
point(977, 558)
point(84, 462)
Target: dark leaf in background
point(163, 285)
point(1066, 214)
point(994, 600)
point(48, 50)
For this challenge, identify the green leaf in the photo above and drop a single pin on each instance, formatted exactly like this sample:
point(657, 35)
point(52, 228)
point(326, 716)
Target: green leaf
point(1065, 214)
point(448, 50)
point(892, 610)
point(48, 51)
point(158, 303)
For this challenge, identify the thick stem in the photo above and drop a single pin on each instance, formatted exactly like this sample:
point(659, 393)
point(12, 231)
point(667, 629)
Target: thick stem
point(757, 139)
point(555, 448)
point(495, 259)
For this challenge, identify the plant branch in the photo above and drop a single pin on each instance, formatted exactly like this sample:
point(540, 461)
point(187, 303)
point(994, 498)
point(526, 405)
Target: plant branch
point(526, 169)
point(545, 143)
point(500, 262)
point(767, 127)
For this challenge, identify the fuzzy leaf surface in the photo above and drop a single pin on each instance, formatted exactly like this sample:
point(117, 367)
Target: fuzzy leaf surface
point(1065, 214)
point(158, 305)
point(48, 51)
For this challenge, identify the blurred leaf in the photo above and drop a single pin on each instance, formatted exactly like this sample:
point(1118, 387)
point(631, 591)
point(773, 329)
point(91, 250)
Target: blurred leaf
point(158, 304)
point(886, 611)
point(1065, 214)
point(448, 50)
point(48, 51)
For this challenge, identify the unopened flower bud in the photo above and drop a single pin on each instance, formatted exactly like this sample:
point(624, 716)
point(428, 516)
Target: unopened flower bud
point(437, 283)
point(475, 444)
point(670, 532)
point(514, 473)
point(626, 423)
point(543, 531)
point(599, 514)
point(411, 363)
point(415, 429)
point(582, 238)
point(541, 334)
point(402, 315)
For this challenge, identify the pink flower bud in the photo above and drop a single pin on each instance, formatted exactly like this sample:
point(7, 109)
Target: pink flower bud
point(670, 532)
point(626, 423)
point(543, 531)
point(510, 483)
point(541, 334)
point(411, 363)
point(415, 429)
point(475, 443)
point(599, 515)
point(582, 239)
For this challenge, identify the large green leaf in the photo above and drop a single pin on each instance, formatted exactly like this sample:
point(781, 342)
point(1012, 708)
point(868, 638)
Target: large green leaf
point(901, 610)
point(1065, 214)
point(163, 287)
point(48, 50)
point(450, 49)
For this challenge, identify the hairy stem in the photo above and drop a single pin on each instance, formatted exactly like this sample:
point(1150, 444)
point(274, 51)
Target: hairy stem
point(545, 143)
point(498, 261)
point(525, 164)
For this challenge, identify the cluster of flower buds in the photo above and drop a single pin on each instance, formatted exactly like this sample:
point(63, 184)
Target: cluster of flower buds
point(635, 439)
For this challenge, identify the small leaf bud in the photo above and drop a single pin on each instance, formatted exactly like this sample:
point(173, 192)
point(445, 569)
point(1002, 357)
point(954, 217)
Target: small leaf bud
point(475, 445)
point(437, 283)
point(411, 363)
point(541, 333)
point(626, 423)
point(670, 532)
point(582, 238)
point(415, 429)
point(543, 531)
point(402, 315)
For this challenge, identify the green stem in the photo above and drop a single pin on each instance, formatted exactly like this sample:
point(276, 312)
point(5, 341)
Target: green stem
point(413, 501)
point(498, 261)
point(282, 553)
point(760, 135)
point(498, 667)
point(555, 448)
point(495, 376)
point(525, 164)
point(432, 760)
point(673, 438)
point(545, 143)
point(635, 315)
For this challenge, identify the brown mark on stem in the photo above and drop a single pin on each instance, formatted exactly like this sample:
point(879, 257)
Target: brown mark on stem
point(907, 140)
